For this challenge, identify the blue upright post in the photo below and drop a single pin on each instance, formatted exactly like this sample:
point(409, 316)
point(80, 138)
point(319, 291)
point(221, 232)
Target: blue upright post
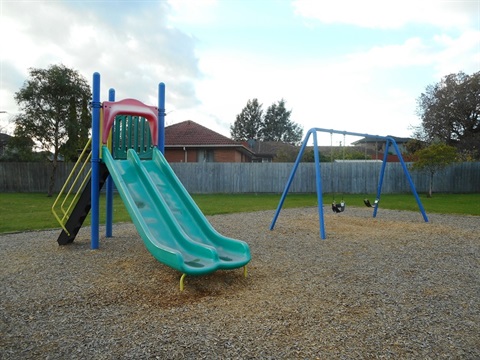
point(290, 179)
point(109, 190)
point(95, 160)
point(161, 117)
point(380, 180)
point(410, 181)
point(319, 186)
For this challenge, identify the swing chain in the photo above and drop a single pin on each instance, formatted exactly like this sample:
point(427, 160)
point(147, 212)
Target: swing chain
point(337, 208)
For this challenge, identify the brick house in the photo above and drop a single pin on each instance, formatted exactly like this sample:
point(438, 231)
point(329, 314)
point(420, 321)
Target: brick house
point(191, 142)
point(376, 148)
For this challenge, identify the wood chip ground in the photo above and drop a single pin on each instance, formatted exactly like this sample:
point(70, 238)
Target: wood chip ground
point(391, 287)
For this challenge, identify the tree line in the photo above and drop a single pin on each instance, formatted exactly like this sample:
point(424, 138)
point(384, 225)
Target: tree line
point(274, 125)
point(450, 124)
point(55, 117)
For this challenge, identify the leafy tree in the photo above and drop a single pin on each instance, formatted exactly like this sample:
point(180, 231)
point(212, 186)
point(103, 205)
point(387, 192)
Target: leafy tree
point(248, 123)
point(348, 154)
point(277, 126)
point(274, 126)
point(49, 102)
point(413, 145)
point(309, 156)
point(332, 154)
point(432, 159)
point(20, 149)
point(77, 131)
point(285, 156)
point(450, 113)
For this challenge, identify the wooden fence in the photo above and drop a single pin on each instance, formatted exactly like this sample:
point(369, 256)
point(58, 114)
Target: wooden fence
point(204, 178)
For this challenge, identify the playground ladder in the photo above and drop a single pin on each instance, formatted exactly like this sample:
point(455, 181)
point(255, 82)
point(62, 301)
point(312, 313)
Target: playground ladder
point(64, 211)
point(73, 203)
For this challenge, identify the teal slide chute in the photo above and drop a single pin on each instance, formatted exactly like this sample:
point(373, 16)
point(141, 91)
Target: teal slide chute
point(169, 222)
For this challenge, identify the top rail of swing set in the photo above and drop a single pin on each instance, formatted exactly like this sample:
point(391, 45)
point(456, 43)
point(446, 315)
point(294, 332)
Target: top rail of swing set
point(313, 132)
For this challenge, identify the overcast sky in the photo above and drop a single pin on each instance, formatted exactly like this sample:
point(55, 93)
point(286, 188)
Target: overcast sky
point(348, 65)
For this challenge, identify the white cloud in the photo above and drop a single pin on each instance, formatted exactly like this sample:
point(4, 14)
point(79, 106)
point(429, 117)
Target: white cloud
point(391, 14)
point(445, 54)
point(330, 94)
point(192, 12)
point(373, 91)
point(134, 46)
point(133, 50)
point(412, 52)
point(458, 54)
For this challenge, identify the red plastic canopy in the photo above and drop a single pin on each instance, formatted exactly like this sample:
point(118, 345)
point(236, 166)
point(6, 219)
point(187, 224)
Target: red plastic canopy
point(129, 107)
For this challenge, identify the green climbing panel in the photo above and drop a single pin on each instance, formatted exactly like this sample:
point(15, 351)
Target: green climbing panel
point(131, 132)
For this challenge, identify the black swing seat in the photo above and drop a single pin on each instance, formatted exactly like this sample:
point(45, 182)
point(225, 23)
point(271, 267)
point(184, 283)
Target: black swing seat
point(338, 208)
point(367, 203)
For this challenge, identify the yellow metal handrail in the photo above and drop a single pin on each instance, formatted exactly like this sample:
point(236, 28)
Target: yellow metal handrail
point(81, 163)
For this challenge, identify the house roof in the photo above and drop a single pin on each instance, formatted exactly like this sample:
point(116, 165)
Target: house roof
point(189, 133)
point(373, 139)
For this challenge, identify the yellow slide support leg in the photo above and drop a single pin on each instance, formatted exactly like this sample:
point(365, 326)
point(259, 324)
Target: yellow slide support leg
point(181, 281)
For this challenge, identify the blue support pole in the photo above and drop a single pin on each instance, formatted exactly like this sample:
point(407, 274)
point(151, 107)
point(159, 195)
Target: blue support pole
point(319, 186)
point(161, 117)
point(109, 190)
point(95, 160)
point(410, 181)
point(290, 179)
point(380, 180)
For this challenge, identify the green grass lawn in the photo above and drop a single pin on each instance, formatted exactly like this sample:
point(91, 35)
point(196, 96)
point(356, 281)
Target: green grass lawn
point(27, 211)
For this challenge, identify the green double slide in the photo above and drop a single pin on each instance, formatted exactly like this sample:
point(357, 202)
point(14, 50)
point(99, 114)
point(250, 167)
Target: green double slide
point(169, 222)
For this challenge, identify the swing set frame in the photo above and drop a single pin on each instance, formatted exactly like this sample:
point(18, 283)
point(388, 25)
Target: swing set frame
point(313, 132)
